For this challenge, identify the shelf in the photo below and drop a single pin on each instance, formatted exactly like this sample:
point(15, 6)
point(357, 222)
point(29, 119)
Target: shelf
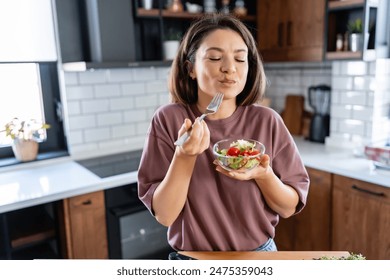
point(30, 226)
point(343, 55)
point(345, 4)
point(154, 13)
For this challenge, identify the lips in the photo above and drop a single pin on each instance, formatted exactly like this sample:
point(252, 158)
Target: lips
point(228, 81)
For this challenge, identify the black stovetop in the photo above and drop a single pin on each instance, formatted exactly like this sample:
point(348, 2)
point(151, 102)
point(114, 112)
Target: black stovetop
point(112, 165)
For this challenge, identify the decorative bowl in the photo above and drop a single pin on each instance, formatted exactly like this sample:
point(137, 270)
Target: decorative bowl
point(238, 154)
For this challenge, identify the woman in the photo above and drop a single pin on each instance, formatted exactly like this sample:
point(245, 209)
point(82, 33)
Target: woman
point(205, 207)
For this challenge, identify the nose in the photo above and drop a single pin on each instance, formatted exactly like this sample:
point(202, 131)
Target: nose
point(228, 66)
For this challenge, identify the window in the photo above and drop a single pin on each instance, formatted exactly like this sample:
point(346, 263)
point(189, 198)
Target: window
point(31, 91)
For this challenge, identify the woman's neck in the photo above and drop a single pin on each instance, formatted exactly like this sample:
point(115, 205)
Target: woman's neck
point(227, 108)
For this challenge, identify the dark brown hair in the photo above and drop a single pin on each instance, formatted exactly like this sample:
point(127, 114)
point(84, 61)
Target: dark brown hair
point(185, 90)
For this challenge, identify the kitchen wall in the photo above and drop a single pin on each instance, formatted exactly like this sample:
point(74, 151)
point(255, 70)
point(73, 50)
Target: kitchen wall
point(109, 110)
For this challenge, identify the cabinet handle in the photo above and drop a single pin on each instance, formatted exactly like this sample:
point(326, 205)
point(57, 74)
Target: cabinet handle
point(280, 34)
point(367, 191)
point(87, 202)
point(289, 36)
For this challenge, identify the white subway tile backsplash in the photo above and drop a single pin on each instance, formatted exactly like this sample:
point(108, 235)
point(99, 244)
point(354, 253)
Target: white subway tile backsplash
point(71, 78)
point(342, 83)
point(157, 86)
point(122, 103)
point(81, 122)
point(146, 101)
point(73, 108)
point(135, 88)
point(109, 119)
point(142, 128)
point(144, 74)
point(353, 68)
point(362, 113)
point(93, 77)
point(75, 137)
point(353, 98)
point(341, 111)
point(120, 75)
point(126, 130)
point(353, 127)
point(135, 116)
point(94, 106)
point(97, 134)
point(107, 90)
point(79, 92)
point(364, 83)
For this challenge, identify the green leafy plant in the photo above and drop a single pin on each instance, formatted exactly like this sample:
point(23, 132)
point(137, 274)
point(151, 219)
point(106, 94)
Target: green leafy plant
point(352, 256)
point(172, 35)
point(355, 26)
point(25, 129)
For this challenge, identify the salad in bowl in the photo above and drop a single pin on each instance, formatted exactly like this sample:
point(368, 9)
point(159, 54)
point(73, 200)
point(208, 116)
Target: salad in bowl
point(238, 154)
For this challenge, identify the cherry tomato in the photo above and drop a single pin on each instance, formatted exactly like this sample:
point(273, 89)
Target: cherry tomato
point(254, 152)
point(233, 152)
point(245, 153)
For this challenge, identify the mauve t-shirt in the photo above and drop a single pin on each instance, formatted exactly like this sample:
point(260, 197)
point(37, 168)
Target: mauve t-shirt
point(221, 213)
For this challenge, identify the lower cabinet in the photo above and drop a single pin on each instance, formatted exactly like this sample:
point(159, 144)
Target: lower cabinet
point(84, 231)
point(341, 214)
point(310, 229)
point(361, 218)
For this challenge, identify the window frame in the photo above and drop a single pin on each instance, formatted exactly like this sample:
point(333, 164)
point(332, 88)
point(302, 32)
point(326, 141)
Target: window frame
point(56, 143)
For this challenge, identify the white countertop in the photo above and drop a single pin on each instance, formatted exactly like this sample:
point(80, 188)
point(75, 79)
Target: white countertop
point(46, 181)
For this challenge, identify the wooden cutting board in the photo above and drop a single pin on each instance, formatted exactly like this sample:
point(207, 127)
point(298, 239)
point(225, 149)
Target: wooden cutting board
point(293, 113)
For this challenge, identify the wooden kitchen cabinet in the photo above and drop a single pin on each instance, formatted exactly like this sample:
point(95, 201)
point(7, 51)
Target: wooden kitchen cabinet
point(291, 30)
point(361, 218)
point(84, 231)
point(310, 229)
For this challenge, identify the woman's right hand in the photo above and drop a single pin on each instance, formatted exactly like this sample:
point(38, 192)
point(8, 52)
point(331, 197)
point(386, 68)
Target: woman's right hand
point(198, 141)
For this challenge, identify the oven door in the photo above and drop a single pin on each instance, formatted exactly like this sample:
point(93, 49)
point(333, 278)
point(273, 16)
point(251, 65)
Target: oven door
point(133, 233)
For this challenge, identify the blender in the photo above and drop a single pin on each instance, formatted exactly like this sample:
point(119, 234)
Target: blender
point(319, 100)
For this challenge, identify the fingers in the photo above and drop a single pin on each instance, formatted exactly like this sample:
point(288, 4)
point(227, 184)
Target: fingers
point(186, 126)
point(199, 137)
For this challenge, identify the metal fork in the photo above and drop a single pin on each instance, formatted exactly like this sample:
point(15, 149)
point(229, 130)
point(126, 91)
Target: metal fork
point(211, 109)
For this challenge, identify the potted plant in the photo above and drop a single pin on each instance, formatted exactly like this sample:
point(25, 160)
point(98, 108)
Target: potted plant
point(171, 44)
point(355, 30)
point(25, 135)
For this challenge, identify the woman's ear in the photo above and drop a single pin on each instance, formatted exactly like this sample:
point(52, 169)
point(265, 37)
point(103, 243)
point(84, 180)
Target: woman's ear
point(190, 70)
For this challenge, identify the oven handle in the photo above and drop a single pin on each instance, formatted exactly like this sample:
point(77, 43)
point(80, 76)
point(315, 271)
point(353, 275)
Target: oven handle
point(126, 210)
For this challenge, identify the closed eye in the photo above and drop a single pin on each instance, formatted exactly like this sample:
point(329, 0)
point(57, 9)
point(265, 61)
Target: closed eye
point(214, 58)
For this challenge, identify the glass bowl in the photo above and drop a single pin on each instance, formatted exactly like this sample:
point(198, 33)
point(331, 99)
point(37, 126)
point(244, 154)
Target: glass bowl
point(238, 154)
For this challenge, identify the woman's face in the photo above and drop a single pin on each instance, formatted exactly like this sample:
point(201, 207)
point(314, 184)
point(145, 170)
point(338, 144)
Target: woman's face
point(221, 64)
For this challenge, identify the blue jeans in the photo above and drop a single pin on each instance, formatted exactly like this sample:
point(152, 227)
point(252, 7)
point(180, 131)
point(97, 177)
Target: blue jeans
point(267, 246)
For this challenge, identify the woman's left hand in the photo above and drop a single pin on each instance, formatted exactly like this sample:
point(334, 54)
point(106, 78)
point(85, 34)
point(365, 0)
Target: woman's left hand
point(259, 172)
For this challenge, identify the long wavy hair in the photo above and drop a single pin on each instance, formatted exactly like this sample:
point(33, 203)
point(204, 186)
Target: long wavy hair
point(184, 90)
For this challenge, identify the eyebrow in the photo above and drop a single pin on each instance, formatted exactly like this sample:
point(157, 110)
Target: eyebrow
point(221, 50)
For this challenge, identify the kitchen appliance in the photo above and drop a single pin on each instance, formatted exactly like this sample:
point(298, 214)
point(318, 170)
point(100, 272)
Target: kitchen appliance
point(319, 100)
point(133, 233)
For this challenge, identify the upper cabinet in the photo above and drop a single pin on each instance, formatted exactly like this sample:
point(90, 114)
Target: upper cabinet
point(291, 30)
point(122, 33)
point(356, 29)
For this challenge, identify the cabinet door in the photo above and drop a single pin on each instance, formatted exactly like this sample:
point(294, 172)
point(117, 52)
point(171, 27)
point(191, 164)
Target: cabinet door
point(272, 29)
point(361, 218)
point(85, 226)
point(313, 223)
point(310, 229)
point(291, 30)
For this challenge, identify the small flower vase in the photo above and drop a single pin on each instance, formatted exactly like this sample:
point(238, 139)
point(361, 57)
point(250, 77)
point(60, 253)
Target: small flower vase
point(25, 150)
